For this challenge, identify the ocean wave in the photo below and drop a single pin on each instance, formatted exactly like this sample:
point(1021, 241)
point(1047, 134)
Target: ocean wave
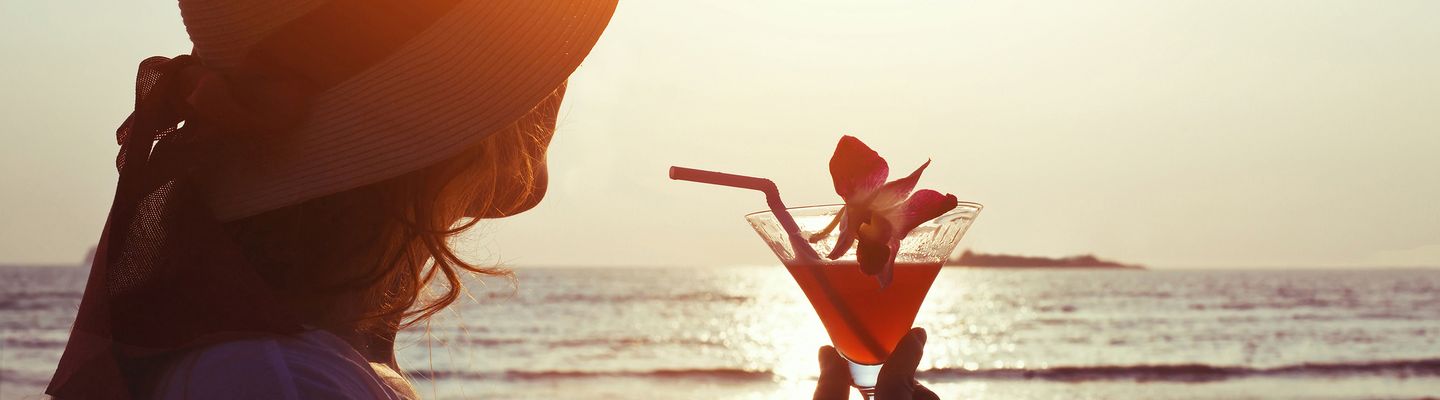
point(700, 373)
point(697, 297)
point(33, 343)
point(491, 342)
point(23, 377)
point(609, 342)
point(1194, 372)
point(44, 294)
point(21, 304)
point(636, 342)
point(1142, 373)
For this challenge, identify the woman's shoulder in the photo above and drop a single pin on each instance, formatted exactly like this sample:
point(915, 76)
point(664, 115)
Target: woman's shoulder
point(310, 365)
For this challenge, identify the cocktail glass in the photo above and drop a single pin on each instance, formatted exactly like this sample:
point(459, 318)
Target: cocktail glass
point(864, 320)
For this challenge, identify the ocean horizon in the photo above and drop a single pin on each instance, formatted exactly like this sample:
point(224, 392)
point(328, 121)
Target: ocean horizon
point(747, 332)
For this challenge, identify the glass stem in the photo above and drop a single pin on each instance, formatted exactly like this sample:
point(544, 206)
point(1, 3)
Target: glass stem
point(864, 377)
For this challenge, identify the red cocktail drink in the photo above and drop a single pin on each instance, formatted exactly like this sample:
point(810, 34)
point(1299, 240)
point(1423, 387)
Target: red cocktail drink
point(865, 319)
point(881, 250)
point(883, 314)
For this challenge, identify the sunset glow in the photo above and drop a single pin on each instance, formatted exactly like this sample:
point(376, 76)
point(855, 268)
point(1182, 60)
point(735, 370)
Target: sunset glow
point(1111, 129)
point(1182, 199)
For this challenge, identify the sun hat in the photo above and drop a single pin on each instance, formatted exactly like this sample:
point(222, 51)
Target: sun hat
point(283, 101)
point(473, 71)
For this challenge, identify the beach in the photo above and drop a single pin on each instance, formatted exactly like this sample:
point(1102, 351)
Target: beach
point(748, 333)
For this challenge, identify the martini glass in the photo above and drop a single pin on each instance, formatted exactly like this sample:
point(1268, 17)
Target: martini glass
point(864, 321)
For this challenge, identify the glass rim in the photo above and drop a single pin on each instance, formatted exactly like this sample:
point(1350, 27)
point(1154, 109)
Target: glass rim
point(960, 206)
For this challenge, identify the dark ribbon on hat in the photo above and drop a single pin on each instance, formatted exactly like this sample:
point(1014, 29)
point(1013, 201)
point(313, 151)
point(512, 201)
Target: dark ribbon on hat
point(166, 277)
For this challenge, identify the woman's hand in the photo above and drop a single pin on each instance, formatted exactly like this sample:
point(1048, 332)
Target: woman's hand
point(897, 377)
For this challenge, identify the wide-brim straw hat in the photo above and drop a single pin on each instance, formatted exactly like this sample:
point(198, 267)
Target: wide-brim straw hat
point(475, 71)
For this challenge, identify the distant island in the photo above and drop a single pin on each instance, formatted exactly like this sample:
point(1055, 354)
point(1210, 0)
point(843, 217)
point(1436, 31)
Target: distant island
point(973, 259)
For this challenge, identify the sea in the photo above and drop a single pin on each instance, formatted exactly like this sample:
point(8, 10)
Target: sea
point(748, 333)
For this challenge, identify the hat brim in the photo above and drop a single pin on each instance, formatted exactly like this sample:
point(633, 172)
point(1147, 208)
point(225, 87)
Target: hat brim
point(475, 71)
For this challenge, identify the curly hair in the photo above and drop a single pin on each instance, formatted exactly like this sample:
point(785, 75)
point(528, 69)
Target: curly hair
point(389, 242)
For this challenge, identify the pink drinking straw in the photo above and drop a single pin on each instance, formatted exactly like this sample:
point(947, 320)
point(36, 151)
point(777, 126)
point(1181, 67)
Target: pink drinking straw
point(772, 198)
point(797, 242)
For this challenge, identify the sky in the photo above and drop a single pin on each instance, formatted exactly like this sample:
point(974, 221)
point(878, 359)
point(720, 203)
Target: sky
point(1176, 134)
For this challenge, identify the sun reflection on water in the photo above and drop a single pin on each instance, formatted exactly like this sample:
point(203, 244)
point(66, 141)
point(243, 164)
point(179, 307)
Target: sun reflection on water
point(969, 323)
point(782, 329)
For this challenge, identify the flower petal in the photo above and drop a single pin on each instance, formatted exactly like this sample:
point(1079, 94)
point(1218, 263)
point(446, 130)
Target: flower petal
point(856, 169)
point(887, 273)
point(874, 252)
point(922, 206)
point(849, 225)
point(895, 191)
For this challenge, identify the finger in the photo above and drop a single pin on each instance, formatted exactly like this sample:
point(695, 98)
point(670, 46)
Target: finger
point(899, 370)
point(834, 381)
point(923, 393)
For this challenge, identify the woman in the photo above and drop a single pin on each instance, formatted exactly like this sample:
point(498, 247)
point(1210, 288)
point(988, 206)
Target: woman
point(286, 191)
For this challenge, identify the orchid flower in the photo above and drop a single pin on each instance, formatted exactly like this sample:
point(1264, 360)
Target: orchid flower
point(877, 214)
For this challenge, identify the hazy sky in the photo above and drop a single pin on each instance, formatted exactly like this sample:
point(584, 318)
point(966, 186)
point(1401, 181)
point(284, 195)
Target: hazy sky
point(1175, 133)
